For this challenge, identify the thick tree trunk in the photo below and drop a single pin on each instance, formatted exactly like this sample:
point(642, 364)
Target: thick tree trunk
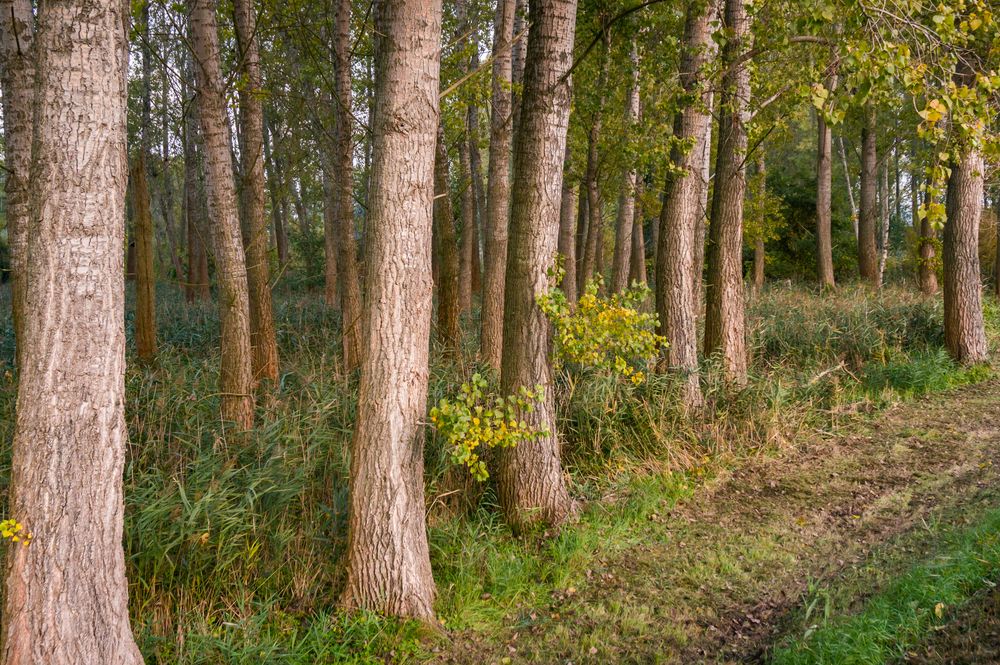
point(388, 567)
point(236, 375)
point(725, 331)
point(263, 339)
point(145, 283)
point(446, 247)
point(868, 215)
point(759, 260)
point(518, 47)
point(928, 273)
point(498, 188)
point(66, 598)
point(347, 257)
point(824, 198)
point(530, 480)
point(17, 75)
point(626, 205)
point(964, 331)
point(676, 288)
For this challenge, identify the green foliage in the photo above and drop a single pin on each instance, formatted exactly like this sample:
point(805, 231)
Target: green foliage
point(476, 420)
point(608, 333)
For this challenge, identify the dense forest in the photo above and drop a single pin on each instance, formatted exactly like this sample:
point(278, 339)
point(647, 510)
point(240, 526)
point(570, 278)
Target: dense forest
point(493, 331)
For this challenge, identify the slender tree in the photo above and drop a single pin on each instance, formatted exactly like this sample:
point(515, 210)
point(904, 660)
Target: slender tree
point(388, 560)
point(676, 293)
point(824, 196)
point(66, 599)
point(868, 214)
point(446, 247)
point(498, 187)
point(263, 339)
point(530, 479)
point(626, 204)
point(724, 314)
point(236, 375)
point(145, 282)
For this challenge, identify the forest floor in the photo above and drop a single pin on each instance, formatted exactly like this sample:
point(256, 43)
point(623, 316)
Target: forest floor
point(768, 554)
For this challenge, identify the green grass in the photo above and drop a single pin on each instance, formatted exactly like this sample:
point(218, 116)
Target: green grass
point(235, 552)
point(907, 608)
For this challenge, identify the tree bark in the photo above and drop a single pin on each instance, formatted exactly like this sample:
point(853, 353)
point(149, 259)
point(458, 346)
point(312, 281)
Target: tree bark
point(498, 188)
point(595, 209)
point(824, 198)
point(195, 206)
point(530, 480)
point(331, 294)
point(884, 221)
point(17, 75)
point(724, 316)
point(868, 215)
point(446, 247)
point(388, 567)
point(66, 598)
point(347, 257)
point(964, 330)
point(263, 338)
point(626, 205)
point(145, 283)
point(850, 187)
point(676, 288)
point(567, 233)
point(275, 187)
point(236, 374)
point(637, 263)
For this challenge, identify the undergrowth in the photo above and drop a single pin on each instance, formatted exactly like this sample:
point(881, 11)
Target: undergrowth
point(235, 550)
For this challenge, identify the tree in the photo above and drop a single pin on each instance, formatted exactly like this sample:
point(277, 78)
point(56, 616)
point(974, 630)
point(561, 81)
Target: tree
point(498, 187)
point(236, 375)
point(676, 291)
point(17, 81)
point(868, 215)
point(626, 205)
point(724, 316)
point(263, 339)
point(388, 560)
point(824, 194)
point(66, 597)
point(347, 259)
point(530, 477)
point(446, 248)
point(145, 282)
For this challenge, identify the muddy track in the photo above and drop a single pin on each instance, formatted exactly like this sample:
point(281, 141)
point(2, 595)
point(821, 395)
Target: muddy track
point(721, 575)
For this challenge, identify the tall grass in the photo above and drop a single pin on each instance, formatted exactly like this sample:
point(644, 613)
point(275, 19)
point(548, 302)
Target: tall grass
point(234, 548)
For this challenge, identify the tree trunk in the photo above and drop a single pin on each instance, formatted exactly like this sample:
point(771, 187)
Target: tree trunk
point(725, 331)
point(884, 222)
point(66, 598)
point(467, 193)
point(331, 295)
point(498, 188)
point(868, 215)
point(347, 257)
point(759, 259)
point(275, 188)
point(236, 375)
point(928, 237)
point(263, 339)
point(824, 194)
point(530, 480)
point(964, 331)
point(637, 263)
point(145, 283)
point(626, 205)
point(197, 286)
point(676, 291)
point(595, 223)
point(518, 47)
point(567, 233)
point(17, 80)
point(582, 221)
point(850, 187)
point(446, 247)
point(174, 235)
point(388, 560)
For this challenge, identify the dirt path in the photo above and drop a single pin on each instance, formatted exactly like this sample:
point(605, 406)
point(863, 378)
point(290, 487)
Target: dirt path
point(716, 579)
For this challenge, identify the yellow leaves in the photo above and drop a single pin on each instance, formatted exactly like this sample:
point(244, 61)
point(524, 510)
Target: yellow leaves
point(934, 111)
point(939, 610)
point(14, 531)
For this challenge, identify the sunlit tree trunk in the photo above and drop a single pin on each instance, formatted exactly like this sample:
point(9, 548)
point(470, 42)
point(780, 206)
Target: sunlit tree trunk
point(824, 197)
point(676, 292)
point(263, 339)
point(498, 188)
point(530, 481)
point(724, 313)
point(66, 599)
point(868, 214)
point(567, 233)
point(236, 375)
point(388, 559)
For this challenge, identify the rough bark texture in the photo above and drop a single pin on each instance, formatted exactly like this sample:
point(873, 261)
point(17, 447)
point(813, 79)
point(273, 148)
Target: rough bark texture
point(824, 192)
point(724, 314)
point(964, 331)
point(530, 479)
point(498, 188)
point(677, 284)
point(850, 187)
point(236, 374)
point(637, 263)
point(759, 260)
point(263, 339)
point(17, 81)
point(567, 235)
point(66, 596)
point(388, 567)
point(626, 204)
point(347, 258)
point(884, 221)
point(582, 221)
point(595, 209)
point(145, 283)
point(330, 291)
point(868, 214)
point(446, 247)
